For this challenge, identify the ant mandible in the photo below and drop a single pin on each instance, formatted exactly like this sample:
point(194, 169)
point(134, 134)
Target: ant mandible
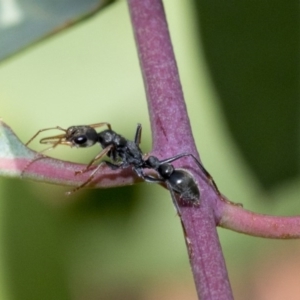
point(124, 153)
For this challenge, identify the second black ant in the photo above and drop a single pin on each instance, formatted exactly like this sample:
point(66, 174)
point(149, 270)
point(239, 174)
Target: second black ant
point(125, 153)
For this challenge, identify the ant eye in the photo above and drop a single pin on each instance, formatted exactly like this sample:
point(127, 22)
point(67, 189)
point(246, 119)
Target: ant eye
point(80, 140)
point(81, 136)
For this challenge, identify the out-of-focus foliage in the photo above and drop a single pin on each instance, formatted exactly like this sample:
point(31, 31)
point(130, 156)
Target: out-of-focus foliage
point(23, 22)
point(252, 50)
point(124, 243)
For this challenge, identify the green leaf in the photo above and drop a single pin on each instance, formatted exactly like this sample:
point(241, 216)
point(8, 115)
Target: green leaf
point(252, 50)
point(25, 22)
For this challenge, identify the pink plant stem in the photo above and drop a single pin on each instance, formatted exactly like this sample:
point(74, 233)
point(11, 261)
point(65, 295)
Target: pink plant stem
point(241, 220)
point(172, 135)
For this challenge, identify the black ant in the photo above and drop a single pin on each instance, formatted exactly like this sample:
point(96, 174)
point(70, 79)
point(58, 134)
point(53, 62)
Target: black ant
point(124, 153)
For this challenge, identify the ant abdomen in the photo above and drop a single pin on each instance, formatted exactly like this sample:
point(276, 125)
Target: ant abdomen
point(179, 180)
point(184, 184)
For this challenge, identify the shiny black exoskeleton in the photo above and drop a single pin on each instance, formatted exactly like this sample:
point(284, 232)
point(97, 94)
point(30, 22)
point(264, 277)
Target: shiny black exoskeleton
point(177, 180)
point(124, 153)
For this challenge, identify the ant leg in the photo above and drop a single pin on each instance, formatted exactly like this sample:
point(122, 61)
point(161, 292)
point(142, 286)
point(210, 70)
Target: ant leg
point(47, 140)
point(177, 208)
point(84, 183)
point(116, 166)
point(45, 129)
point(147, 178)
point(208, 176)
point(152, 179)
point(40, 154)
point(97, 157)
point(112, 166)
point(138, 134)
point(174, 199)
point(56, 140)
point(96, 125)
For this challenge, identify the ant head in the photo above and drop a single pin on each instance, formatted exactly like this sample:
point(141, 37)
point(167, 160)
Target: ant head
point(81, 136)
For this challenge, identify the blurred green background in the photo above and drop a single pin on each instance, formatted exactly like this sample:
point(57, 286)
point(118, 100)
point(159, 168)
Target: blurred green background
point(239, 69)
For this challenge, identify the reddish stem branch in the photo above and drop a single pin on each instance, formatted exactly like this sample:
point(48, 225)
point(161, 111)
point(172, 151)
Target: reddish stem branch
point(238, 219)
point(172, 135)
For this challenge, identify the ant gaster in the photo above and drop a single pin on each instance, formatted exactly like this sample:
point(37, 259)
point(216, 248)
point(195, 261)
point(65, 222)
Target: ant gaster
point(124, 153)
